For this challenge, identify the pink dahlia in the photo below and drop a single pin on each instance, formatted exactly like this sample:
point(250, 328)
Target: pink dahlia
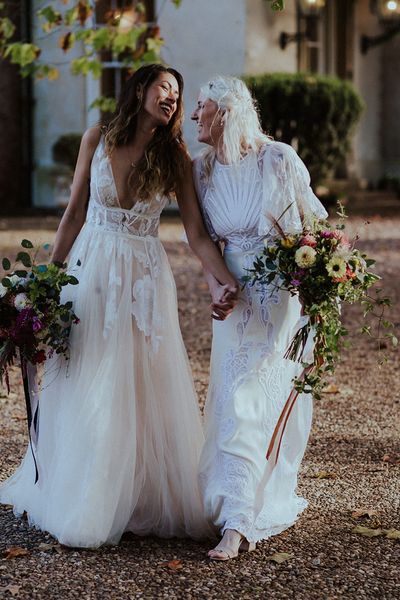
point(308, 240)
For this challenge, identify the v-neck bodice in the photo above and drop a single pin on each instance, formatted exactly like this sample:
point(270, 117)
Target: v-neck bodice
point(104, 209)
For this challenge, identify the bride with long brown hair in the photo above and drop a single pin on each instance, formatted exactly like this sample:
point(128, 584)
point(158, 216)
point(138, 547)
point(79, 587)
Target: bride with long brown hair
point(120, 433)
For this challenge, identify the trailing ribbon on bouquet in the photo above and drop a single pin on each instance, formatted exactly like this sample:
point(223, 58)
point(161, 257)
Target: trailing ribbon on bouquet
point(277, 436)
point(275, 444)
point(29, 378)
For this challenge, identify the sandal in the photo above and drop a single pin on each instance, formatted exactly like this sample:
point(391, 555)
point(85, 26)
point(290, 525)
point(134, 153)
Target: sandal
point(246, 546)
point(225, 552)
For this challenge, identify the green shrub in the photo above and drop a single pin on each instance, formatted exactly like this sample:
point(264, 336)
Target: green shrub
point(66, 149)
point(319, 112)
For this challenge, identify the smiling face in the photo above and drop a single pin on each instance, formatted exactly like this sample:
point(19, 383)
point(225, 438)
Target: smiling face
point(161, 98)
point(208, 117)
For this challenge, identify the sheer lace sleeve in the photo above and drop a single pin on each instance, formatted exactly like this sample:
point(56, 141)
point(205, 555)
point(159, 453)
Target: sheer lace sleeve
point(201, 190)
point(287, 195)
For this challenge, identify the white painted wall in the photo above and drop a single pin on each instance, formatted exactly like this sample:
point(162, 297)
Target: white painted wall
point(60, 107)
point(263, 28)
point(203, 38)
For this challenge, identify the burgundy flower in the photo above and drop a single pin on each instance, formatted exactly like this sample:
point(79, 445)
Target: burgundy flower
point(39, 357)
point(22, 330)
point(37, 324)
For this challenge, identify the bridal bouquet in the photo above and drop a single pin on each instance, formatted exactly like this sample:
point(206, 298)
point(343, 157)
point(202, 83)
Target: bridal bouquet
point(325, 270)
point(33, 321)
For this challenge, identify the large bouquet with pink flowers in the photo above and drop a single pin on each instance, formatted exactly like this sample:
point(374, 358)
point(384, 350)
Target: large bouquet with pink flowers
point(325, 270)
point(34, 323)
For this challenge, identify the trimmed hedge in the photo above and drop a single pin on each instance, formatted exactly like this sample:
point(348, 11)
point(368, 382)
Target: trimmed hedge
point(319, 112)
point(66, 149)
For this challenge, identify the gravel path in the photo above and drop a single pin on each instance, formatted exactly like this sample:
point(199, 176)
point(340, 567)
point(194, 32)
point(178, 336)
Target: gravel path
point(352, 463)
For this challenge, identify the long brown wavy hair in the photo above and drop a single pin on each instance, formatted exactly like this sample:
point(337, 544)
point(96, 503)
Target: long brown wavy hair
point(162, 165)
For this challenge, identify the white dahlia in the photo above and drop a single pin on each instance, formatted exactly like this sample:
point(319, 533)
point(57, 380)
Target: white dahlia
point(305, 257)
point(21, 301)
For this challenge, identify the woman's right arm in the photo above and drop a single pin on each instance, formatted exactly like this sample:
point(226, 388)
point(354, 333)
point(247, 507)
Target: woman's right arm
point(75, 213)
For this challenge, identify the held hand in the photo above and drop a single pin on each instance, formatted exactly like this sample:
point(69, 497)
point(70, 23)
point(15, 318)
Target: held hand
point(224, 300)
point(220, 312)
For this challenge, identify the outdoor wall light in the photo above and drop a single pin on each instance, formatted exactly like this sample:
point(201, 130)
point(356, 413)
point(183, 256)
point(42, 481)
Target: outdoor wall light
point(388, 12)
point(306, 8)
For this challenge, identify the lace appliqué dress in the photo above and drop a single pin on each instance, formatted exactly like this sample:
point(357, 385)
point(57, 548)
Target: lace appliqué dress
point(250, 380)
point(119, 432)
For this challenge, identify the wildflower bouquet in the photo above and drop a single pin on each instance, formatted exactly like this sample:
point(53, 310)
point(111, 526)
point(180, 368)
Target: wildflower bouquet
point(325, 270)
point(33, 321)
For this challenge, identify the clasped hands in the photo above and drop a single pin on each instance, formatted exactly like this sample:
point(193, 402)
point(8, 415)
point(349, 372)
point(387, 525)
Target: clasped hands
point(224, 300)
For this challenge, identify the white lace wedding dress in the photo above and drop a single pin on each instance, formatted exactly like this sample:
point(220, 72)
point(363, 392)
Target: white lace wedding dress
point(250, 379)
point(119, 431)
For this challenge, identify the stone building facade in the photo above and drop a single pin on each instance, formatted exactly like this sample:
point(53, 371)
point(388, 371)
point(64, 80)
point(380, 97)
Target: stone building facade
point(206, 37)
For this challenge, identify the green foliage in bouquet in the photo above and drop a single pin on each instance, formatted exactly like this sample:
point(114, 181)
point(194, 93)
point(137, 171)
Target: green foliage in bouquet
point(33, 320)
point(325, 270)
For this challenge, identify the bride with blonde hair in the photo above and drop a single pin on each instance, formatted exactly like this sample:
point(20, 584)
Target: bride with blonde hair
point(245, 182)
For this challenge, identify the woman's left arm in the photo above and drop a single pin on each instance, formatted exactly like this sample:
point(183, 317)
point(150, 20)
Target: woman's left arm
point(198, 238)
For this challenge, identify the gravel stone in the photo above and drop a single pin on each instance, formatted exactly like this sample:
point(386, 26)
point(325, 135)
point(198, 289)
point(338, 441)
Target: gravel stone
point(354, 431)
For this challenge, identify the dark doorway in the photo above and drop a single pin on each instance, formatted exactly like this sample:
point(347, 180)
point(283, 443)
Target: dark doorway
point(16, 123)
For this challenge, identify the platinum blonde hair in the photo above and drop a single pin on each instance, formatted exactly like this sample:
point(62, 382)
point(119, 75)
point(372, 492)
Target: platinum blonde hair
point(236, 109)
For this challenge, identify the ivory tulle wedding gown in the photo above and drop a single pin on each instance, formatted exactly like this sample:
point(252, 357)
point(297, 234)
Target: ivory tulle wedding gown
point(250, 378)
point(119, 432)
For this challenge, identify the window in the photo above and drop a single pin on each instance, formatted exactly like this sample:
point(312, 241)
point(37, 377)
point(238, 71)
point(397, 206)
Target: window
point(310, 47)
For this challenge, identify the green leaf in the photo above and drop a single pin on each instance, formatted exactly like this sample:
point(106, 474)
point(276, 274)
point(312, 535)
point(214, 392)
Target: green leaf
point(6, 282)
point(70, 16)
point(21, 273)
point(72, 280)
point(7, 28)
point(277, 5)
point(6, 264)
point(51, 15)
point(24, 258)
point(102, 39)
point(22, 54)
point(104, 104)
point(26, 244)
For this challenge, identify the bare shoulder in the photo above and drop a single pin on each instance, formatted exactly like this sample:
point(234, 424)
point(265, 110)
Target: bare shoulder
point(92, 136)
point(90, 141)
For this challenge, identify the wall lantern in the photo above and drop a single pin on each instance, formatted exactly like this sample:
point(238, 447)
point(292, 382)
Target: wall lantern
point(309, 8)
point(306, 8)
point(388, 13)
